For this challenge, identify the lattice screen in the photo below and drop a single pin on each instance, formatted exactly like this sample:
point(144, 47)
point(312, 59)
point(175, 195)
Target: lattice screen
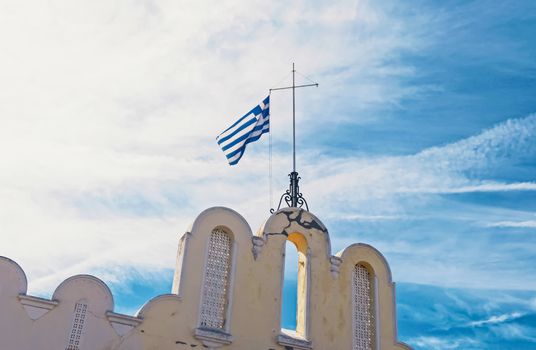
point(363, 302)
point(214, 298)
point(75, 337)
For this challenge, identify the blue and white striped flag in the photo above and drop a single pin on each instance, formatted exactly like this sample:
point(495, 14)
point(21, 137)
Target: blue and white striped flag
point(247, 129)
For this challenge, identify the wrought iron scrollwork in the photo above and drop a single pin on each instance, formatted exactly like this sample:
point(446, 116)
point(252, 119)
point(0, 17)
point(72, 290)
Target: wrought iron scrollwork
point(292, 196)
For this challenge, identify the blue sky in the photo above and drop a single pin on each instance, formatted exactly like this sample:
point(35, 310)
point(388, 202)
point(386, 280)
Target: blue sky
point(420, 140)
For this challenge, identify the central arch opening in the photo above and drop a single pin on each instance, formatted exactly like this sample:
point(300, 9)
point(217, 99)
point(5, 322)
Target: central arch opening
point(295, 285)
point(290, 287)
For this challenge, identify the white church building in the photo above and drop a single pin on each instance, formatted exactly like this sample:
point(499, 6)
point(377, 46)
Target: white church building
point(226, 294)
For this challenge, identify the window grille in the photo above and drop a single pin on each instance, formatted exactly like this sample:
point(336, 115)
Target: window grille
point(75, 337)
point(363, 305)
point(216, 283)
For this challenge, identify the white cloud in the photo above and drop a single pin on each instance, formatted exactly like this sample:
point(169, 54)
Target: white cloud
point(514, 331)
point(485, 149)
point(525, 224)
point(436, 343)
point(533, 304)
point(109, 112)
point(486, 186)
point(376, 183)
point(364, 217)
point(496, 319)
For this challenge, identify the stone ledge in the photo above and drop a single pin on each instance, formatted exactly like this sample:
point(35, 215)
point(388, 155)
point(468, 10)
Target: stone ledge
point(122, 324)
point(36, 307)
point(213, 338)
point(293, 339)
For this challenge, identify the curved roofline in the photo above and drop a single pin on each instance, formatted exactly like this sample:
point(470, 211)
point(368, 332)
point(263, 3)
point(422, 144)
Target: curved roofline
point(211, 209)
point(92, 278)
point(148, 304)
point(374, 250)
point(19, 269)
point(299, 209)
point(295, 209)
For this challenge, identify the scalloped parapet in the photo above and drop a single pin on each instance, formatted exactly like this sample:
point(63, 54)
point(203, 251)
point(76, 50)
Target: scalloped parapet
point(80, 315)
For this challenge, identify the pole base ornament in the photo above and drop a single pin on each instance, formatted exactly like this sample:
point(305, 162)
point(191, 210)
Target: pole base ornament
point(292, 196)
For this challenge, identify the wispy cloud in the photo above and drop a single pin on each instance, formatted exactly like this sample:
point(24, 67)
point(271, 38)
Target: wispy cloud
point(446, 169)
point(486, 186)
point(109, 113)
point(496, 319)
point(533, 303)
point(514, 332)
point(364, 217)
point(487, 149)
point(436, 343)
point(465, 319)
point(526, 224)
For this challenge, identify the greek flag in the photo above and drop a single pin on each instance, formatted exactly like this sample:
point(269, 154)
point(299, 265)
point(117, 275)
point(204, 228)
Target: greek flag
point(247, 129)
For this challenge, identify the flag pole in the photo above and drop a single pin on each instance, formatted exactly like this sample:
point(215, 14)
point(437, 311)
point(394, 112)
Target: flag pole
point(292, 196)
point(293, 119)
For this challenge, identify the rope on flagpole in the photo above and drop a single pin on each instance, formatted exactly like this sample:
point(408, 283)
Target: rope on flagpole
point(306, 77)
point(270, 157)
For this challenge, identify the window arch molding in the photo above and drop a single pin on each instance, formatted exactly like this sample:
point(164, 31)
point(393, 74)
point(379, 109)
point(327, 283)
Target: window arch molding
point(200, 229)
point(383, 285)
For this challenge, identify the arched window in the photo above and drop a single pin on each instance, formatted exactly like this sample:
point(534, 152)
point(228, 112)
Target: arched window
point(77, 328)
point(216, 282)
point(364, 313)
